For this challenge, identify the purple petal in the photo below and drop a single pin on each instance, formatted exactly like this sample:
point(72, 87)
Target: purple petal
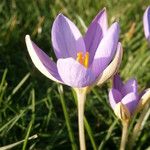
point(95, 32)
point(131, 101)
point(146, 23)
point(117, 82)
point(112, 68)
point(74, 74)
point(101, 18)
point(66, 38)
point(114, 97)
point(106, 49)
point(42, 62)
point(130, 86)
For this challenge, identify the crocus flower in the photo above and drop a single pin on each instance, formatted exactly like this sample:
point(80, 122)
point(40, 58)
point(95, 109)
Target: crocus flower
point(81, 60)
point(125, 99)
point(146, 23)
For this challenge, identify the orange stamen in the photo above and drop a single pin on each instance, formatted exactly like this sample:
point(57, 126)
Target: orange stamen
point(84, 60)
point(80, 57)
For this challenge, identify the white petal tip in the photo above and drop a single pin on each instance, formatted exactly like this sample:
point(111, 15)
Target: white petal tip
point(27, 38)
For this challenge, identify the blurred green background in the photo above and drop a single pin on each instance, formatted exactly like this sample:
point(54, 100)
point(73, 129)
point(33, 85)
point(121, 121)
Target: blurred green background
point(31, 104)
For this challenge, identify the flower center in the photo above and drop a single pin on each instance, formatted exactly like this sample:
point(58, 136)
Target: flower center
point(83, 59)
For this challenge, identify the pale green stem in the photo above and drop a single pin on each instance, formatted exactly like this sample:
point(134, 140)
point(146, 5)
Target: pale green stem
point(81, 97)
point(87, 126)
point(137, 127)
point(124, 134)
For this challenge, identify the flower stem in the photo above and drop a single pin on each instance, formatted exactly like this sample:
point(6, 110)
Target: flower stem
point(81, 97)
point(87, 125)
point(124, 134)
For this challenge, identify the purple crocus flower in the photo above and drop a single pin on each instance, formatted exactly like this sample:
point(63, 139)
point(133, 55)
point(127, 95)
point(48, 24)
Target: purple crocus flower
point(146, 23)
point(81, 60)
point(127, 96)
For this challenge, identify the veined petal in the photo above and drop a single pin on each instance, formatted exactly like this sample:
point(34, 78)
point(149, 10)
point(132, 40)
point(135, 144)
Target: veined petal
point(107, 48)
point(95, 32)
point(66, 38)
point(74, 74)
point(117, 82)
point(101, 18)
point(146, 23)
point(130, 86)
point(131, 101)
point(112, 68)
point(42, 62)
point(114, 97)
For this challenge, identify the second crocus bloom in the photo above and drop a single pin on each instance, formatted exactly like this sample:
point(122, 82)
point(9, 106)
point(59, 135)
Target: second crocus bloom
point(125, 99)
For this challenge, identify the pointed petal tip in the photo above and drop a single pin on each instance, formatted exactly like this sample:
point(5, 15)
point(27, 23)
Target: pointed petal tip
point(28, 41)
point(116, 24)
point(27, 37)
point(115, 29)
point(104, 8)
point(101, 13)
point(60, 15)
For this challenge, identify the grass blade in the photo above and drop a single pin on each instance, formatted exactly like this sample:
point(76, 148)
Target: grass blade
point(71, 134)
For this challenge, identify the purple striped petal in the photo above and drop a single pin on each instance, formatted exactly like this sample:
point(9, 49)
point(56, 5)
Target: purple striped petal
point(130, 86)
point(146, 23)
point(101, 18)
point(114, 97)
point(117, 82)
point(95, 32)
point(112, 67)
point(106, 49)
point(66, 38)
point(74, 74)
point(131, 101)
point(42, 62)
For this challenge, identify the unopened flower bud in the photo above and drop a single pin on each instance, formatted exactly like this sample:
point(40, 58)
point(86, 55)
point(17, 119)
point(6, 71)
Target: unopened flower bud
point(122, 112)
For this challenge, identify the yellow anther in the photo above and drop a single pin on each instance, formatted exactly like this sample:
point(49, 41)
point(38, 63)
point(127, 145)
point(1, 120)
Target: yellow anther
point(84, 60)
point(80, 57)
